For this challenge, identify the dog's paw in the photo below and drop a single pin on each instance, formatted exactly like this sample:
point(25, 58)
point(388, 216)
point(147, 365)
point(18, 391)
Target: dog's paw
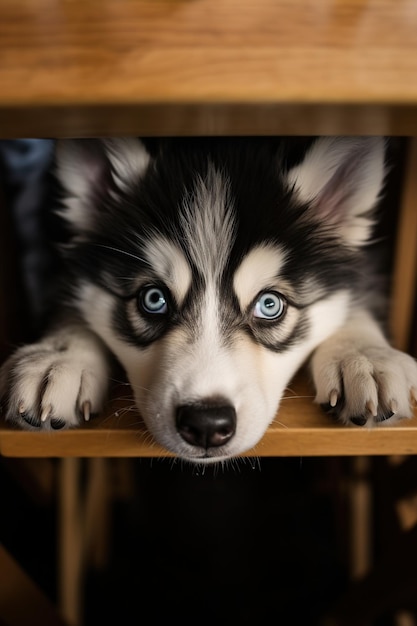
point(374, 385)
point(50, 386)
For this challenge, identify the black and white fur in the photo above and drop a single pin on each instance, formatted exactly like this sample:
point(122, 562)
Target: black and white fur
point(212, 269)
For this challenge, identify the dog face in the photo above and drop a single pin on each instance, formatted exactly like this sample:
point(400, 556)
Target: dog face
point(212, 269)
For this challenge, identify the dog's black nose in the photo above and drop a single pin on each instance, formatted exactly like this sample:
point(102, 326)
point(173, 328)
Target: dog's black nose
point(206, 425)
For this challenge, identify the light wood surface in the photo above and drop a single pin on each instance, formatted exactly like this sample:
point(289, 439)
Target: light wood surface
point(300, 429)
point(82, 67)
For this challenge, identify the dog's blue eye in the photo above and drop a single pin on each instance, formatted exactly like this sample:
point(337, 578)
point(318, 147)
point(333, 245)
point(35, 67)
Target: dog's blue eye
point(269, 306)
point(153, 300)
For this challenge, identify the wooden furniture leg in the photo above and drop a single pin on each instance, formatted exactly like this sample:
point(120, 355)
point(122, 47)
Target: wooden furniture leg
point(360, 518)
point(83, 529)
point(404, 281)
point(70, 540)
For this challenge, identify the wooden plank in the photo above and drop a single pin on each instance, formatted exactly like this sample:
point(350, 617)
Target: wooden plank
point(404, 283)
point(208, 66)
point(300, 429)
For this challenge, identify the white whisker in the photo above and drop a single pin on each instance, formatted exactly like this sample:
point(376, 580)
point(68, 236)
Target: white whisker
point(120, 251)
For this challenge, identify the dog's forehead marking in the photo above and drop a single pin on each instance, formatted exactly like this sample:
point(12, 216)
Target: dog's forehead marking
point(169, 263)
point(208, 223)
point(258, 270)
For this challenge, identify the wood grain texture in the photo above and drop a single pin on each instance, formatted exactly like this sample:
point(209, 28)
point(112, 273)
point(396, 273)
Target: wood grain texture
point(82, 67)
point(299, 429)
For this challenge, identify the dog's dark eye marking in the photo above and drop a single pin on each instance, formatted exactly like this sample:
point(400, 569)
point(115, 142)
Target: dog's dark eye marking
point(153, 300)
point(269, 305)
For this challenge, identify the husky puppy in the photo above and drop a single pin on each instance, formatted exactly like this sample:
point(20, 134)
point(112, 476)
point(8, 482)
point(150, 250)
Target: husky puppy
point(212, 269)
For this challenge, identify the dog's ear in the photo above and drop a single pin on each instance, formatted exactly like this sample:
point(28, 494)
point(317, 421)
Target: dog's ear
point(88, 169)
point(341, 179)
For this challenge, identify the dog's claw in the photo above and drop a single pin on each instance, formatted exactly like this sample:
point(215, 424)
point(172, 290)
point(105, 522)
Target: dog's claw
point(394, 407)
point(46, 413)
point(86, 410)
point(333, 398)
point(371, 407)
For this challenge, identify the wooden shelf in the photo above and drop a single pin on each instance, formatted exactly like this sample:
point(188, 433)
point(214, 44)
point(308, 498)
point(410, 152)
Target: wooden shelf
point(300, 429)
point(175, 67)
